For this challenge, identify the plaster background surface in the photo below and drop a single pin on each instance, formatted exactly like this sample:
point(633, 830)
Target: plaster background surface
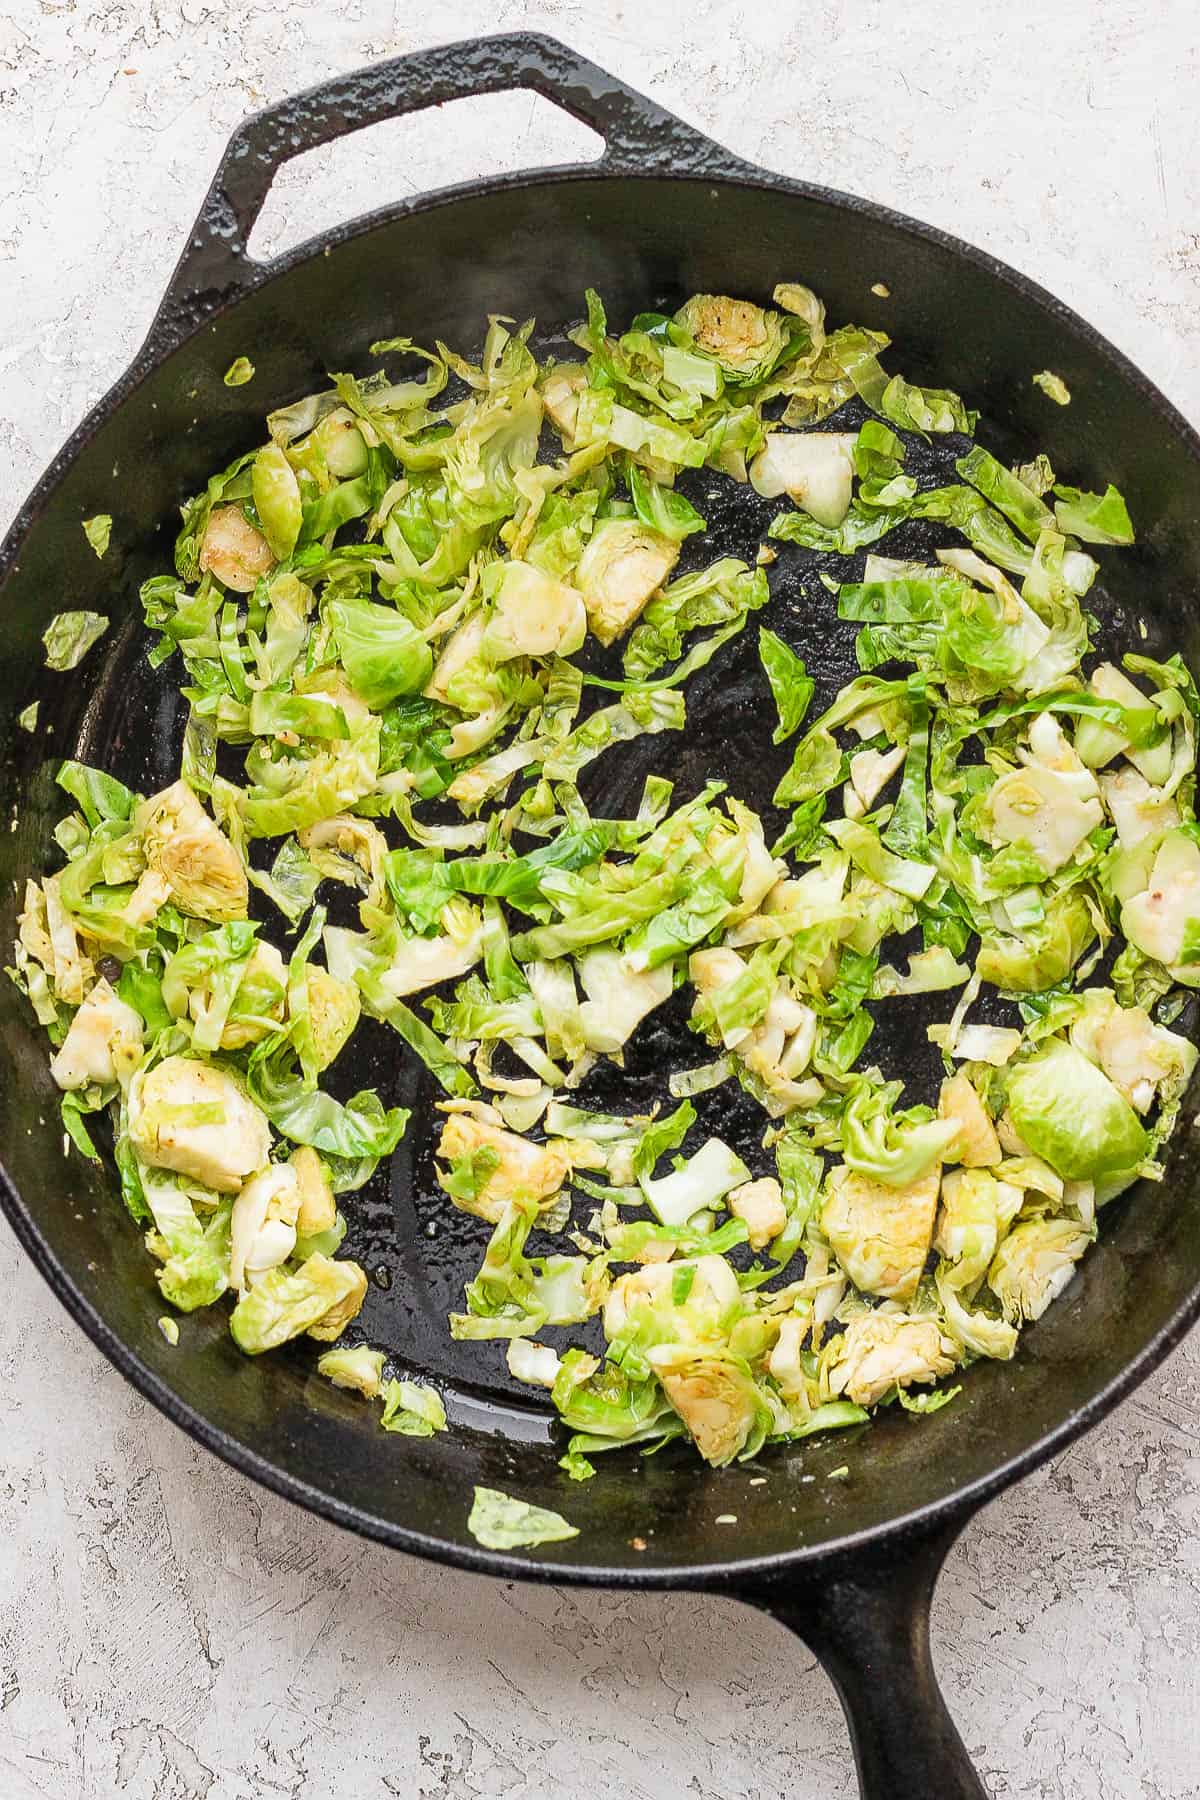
point(169, 1632)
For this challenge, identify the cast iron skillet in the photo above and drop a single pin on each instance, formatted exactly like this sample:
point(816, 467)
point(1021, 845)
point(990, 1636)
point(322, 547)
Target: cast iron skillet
point(849, 1564)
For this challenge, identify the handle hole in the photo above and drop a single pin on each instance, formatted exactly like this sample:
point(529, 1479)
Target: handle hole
point(486, 134)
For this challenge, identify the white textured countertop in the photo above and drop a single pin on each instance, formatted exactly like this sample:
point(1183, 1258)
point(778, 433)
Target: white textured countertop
point(167, 1630)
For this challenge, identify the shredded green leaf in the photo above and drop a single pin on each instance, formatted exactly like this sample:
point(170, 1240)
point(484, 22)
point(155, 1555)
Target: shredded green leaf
point(412, 1409)
point(499, 1522)
point(97, 531)
point(1054, 386)
point(69, 636)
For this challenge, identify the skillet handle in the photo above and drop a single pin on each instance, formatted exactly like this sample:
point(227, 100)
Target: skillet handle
point(867, 1620)
point(640, 137)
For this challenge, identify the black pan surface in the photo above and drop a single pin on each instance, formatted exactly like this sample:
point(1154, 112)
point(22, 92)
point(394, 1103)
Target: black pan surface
point(663, 215)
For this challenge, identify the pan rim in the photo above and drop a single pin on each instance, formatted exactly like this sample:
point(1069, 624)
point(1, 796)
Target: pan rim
point(730, 1574)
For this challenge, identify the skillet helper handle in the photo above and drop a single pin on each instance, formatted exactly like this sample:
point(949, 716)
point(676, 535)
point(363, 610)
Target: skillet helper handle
point(640, 137)
point(867, 1621)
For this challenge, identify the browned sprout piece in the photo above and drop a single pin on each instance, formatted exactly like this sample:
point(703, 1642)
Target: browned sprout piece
point(235, 551)
point(192, 854)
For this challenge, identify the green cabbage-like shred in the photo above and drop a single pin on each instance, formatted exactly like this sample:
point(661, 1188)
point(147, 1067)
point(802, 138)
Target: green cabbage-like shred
point(97, 531)
point(1053, 386)
point(499, 1522)
point(70, 635)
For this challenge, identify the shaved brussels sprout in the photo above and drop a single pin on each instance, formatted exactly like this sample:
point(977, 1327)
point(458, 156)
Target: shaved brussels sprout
point(194, 857)
point(360, 1369)
point(878, 1351)
point(560, 397)
point(1069, 1112)
point(814, 470)
point(412, 1409)
point(976, 1209)
point(744, 340)
point(619, 996)
point(277, 500)
point(881, 1234)
point(333, 1010)
point(531, 615)
point(320, 1298)
point(262, 1226)
point(977, 1145)
point(69, 636)
point(419, 962)
point(1097, 741)
point(1160, 904)
point(1138, 811)
point(1144, 1060)
point(383, 653)
point(234, 550)
point(191, 1116)
point(715, 1396)
point(318, 1210)
point(712, 1173)
point(536, 1364)
point(103, 1042)
point(1050, 811)
point(97, 531)
point(490, 1166)
point(1034, 1264)
point(760, 1204)
point(625, 563)
point(975, 1329)
point(895, 1149)
point(499, 1522)
point(394, 618)
point(1046, 950)
point(192, 1246)
point(1053, 385)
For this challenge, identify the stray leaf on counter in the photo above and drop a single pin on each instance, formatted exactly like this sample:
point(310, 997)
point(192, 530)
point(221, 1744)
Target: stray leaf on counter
point(412, 1409)
point(69, 636)
point(170, 1330)
point(97, 531)
point(1054, 385)
point(499, 1522)
point(27, 720)
point(239, 373)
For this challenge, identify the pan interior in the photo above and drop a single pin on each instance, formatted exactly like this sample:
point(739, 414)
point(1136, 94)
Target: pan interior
point(437, 274)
